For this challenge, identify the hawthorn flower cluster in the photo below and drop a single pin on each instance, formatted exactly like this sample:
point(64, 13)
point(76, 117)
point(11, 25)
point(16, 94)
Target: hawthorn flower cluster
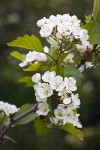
point(7, 108)
point(47, 85)
point(65, 28)
point(33, 57)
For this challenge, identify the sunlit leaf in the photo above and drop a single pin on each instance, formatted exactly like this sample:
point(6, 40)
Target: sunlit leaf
point(27, 42)
point(17, 55)
point(33, 67)
point(45, 68)
point(54, 68)
point(71, 129)
point(27, 80)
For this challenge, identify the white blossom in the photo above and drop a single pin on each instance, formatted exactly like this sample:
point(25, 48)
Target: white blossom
point(43, 90)
point(57, 83)
point(41, 57)
point(63, 94)
point(41, 22)
point(59, 113)
point(46, 30)
point(23, 64)
point(58, 36)
point(46, 49)
point(84, 35)
point(75, 100)
point(67, 100)
point(36, 77)
point(75, 121)
point(48, 76)
point(43, 109)
point(33, 57)
point(70, 84)
point(39, 99)
point(71, 117)
point(67, 27)
point(64, 28)
point(73, 21)
point(53, 21)
point(8, 108)
point(86, 65)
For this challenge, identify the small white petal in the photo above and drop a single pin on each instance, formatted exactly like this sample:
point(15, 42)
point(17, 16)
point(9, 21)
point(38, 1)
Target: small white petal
point(46, 49)
point(36, 77)
point(67, 101)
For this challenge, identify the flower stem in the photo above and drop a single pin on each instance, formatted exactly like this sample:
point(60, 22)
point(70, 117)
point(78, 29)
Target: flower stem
point(83, 61)
point(96, 10)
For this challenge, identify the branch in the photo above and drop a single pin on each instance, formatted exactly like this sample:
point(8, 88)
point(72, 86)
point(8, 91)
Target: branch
point(83, 61)
point(14, 120)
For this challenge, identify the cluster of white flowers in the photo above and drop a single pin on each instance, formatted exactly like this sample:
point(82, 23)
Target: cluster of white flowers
point(65, 27)
point(50, 83)
point(86, 65)
point(33, 56)
point(8, 108)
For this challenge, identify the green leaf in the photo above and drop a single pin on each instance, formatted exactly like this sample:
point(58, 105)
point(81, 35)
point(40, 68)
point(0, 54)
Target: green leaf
point(27, 118)
point(97, 60)
point(27, 80)
point(4, 119)
point(88, 18)
point(61, 71)
point(23, 109)
point(17, 55)
point(70, 71)
point(71, 129)
point(45, 68)
point(52, 50)
point(62, 57)
point(40, 128)
point(54, 68)
point(33, 67)
point(94, 32)
point(27, 42)
point(10, 139)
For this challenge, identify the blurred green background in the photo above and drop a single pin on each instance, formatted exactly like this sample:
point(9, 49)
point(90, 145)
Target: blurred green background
point(19, 17)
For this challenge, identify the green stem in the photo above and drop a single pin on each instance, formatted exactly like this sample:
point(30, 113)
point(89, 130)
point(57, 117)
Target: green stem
point(51, 57)
point(68, 47)
point(96, 10)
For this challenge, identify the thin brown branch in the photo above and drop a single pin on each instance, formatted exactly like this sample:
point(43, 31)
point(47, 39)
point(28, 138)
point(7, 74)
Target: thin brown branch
point(14, 120)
